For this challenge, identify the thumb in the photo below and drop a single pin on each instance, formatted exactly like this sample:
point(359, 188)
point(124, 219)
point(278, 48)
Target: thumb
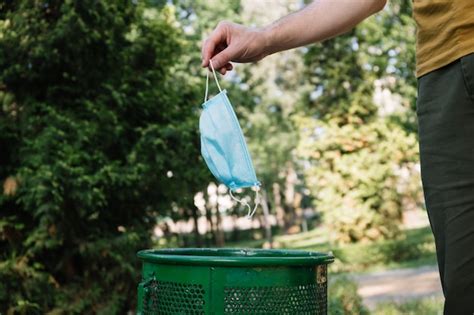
point(223, 58)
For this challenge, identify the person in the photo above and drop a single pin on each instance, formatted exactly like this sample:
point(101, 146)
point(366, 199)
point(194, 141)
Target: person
point(445, 110)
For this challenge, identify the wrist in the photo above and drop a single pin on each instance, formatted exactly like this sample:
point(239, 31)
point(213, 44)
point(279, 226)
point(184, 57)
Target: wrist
point(268, 40)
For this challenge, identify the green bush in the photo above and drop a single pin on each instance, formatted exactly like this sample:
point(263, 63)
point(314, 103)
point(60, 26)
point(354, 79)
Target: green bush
point(355, 177)
point(343, 298)
point(92, 124)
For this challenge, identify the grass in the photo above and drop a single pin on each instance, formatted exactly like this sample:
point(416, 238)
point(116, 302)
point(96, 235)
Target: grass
point(343, 299)
point(424, 306)
point(412, 248)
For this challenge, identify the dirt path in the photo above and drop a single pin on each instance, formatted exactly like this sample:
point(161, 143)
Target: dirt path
point(398, 285)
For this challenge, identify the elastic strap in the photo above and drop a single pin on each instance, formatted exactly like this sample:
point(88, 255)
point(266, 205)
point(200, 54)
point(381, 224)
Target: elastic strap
point(207, 80)
point(244, 202)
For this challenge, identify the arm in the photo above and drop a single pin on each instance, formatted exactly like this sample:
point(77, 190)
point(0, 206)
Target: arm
point(320, 20)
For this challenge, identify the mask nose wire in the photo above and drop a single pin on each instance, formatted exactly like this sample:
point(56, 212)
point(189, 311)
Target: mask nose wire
point(207, 80)
point(244, 202)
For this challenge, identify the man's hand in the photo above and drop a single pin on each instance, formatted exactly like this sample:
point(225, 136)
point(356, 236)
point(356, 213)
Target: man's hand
point(233, 42)
point(320, 20)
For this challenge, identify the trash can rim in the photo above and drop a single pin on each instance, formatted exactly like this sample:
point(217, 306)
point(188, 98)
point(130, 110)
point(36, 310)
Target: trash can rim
point(235, 257)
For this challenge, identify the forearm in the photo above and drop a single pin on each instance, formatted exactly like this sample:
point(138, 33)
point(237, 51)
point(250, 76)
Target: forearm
point(320, 20)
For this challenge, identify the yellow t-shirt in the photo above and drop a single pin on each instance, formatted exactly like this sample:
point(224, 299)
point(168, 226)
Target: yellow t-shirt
point(445, 32)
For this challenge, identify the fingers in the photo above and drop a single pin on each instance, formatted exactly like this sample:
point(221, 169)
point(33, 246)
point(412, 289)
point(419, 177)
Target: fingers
point(225, 69)
point(206, 52)
point(218, 38)
point(216, 47)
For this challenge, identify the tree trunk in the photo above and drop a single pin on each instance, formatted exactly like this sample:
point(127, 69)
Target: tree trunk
point(210, 231)
point(280, 212)
point(236, 231)
point(197, 236)
point(220, 237)
point(266, 223)
point(290, 197)
point(298, 210)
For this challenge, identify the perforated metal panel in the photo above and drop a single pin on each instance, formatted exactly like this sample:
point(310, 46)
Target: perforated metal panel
point(308, 299)
point(170, 298)
point(302, 299)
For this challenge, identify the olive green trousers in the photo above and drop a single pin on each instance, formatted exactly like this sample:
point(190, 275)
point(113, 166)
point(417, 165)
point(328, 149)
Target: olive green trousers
point(445, 110)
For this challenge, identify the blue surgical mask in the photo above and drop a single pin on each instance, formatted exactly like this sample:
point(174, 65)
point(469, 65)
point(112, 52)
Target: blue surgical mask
point(223, 144)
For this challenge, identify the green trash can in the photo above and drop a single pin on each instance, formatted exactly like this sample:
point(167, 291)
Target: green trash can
point(233, 281)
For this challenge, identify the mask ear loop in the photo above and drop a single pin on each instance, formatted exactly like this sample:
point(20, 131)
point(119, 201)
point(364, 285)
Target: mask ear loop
point(244, 202)
point(207, 81)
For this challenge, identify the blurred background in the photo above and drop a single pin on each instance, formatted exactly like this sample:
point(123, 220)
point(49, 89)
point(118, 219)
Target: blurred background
point(100, 154)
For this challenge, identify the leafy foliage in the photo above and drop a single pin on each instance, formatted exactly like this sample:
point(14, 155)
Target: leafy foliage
point(356, 135)
point(357, 178)
point(343, 298)
point(93, 130)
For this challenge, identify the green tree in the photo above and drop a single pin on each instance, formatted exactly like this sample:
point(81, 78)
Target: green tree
point(357, 176)
point(97, 137)
point(362, 153)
